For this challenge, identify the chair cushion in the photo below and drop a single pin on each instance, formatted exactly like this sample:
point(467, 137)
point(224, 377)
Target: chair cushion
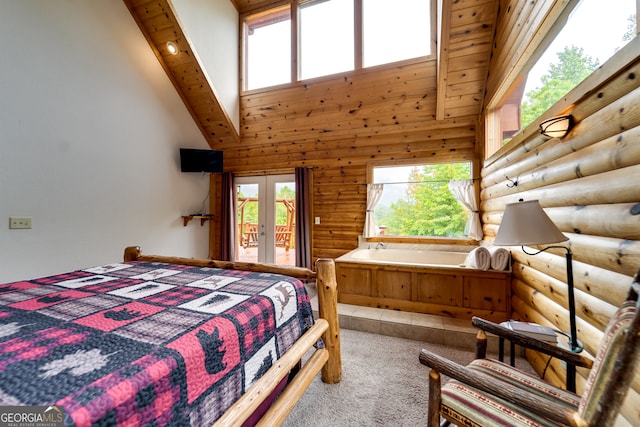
point(469, 407)
point(526, 381)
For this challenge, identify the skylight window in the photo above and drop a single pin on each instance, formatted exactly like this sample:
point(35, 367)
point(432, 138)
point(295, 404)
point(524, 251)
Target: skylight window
point(332, 36)
point(394, 31)
point(326, 38)
point(268, 49)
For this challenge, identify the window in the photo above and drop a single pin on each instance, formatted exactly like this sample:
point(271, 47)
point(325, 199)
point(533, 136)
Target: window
point(393, 31)
point(594, 31)
point(332, 36)
point(416, 200)
point(268, 49)
point(326, 38)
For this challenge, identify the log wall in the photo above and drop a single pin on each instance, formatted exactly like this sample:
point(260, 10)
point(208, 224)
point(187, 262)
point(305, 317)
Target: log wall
point(588, 184)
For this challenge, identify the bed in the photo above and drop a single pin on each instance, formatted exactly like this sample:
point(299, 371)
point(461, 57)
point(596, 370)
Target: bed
point(168, 341)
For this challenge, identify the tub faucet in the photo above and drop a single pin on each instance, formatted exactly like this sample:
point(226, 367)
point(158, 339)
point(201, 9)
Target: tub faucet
point(380, 245)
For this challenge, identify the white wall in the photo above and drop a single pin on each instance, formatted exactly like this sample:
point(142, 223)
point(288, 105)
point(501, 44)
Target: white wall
point(213, 30)
point(89, 135)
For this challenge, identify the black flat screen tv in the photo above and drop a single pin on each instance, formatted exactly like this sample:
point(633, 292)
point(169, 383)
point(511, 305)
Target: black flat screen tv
point(195, 160)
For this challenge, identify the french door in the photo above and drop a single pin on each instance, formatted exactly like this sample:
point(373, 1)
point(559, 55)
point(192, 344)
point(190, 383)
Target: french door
point(266, 219)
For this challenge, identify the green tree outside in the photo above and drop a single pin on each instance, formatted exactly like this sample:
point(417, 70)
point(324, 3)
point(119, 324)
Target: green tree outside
point(573, 66)
point(428, 208)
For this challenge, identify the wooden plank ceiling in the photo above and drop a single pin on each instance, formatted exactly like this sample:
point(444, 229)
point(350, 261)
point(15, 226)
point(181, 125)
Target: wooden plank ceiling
point(464, 43)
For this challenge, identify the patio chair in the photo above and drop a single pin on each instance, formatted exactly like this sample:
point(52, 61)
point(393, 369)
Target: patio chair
point(489, 392)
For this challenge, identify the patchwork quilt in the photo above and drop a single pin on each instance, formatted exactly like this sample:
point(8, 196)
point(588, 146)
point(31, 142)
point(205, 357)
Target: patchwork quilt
point(145, 343)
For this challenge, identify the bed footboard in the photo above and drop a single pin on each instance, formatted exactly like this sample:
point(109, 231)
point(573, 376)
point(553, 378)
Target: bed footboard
point(325, 360)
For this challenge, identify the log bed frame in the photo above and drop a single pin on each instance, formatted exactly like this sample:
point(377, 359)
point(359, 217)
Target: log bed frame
point(326, 360)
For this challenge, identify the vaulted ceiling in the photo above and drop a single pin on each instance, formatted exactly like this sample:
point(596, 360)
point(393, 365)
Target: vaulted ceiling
point(464, 45)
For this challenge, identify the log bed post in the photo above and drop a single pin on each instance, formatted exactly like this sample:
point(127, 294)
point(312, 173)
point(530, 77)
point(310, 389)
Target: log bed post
point(328, 310)
point(132, 253)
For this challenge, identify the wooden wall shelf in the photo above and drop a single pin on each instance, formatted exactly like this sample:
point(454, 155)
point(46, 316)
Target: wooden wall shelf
point(203, 218)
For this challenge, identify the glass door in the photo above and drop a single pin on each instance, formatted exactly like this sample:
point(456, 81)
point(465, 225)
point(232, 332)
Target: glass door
point(266, 219)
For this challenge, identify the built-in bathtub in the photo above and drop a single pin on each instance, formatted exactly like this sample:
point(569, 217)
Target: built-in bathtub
point(428, 279)
point(409, 257)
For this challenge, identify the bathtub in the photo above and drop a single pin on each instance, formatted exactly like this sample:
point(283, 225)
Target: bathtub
point(409, 257)
point(429, 279)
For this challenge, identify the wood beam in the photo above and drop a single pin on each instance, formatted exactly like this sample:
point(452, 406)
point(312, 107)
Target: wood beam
point(159, 23)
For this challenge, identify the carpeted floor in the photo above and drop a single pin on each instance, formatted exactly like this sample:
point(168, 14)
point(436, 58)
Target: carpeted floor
point(383, 384)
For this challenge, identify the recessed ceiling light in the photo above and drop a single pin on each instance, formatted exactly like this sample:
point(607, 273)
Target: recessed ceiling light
point(172, 47)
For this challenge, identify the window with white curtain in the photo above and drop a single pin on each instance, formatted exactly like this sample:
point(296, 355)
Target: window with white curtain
point(416, 200)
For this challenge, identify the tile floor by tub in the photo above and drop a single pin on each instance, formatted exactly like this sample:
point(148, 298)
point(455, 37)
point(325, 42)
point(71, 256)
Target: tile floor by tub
point(416, 326)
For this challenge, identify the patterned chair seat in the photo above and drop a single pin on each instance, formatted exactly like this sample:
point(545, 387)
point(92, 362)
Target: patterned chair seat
point(462, 403)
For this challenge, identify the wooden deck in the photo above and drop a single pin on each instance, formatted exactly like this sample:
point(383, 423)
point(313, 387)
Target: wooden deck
point(283, 257)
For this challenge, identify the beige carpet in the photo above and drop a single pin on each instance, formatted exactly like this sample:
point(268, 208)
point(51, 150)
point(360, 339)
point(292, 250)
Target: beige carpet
point(383, 384)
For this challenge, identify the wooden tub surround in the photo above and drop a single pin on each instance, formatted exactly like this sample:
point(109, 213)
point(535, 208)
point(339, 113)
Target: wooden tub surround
point(445, 290)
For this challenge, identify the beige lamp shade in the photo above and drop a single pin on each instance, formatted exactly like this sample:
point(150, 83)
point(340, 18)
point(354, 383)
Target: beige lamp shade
point(525, 223)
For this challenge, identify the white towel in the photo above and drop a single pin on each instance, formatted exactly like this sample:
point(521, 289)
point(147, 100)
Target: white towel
point(479, 258)
point(499, 258)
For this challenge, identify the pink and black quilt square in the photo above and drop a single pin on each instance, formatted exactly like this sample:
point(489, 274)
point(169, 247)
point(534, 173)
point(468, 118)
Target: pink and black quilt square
point(115, 269)
point(163, 326)
point(117, 317)
point(54, 280)
point(50, 299)
point(184, 278)
point(176, 296)
point(16, 286)
point(255, 319)
point(209, 352)
point(109, 286)
point(249, 286)
point(75, 309)
point(133, 269)
point(242, 274)
point(26, 293)
point(287, 335)
point(146, 390)
point(28, 346)
point(212, 405)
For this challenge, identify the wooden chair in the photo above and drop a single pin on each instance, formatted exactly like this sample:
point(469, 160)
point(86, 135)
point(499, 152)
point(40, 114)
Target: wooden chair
point(283, 237)
point(489, 392)
point(250, 235)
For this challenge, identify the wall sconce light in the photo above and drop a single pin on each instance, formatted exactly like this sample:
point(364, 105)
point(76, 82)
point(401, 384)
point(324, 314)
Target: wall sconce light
point(172, 47)
point(557, 127)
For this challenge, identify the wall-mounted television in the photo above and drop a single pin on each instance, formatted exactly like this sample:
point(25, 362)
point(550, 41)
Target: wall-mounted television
point(195, 160)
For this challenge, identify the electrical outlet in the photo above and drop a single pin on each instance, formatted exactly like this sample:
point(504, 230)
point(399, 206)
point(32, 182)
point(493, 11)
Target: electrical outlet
point(19, 222)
